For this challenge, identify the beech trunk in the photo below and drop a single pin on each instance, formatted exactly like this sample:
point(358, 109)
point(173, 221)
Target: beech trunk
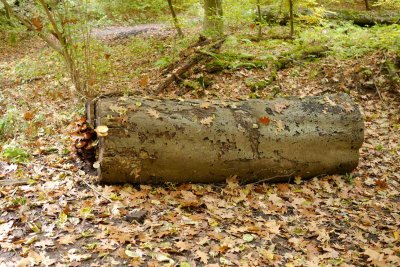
point(154, 141)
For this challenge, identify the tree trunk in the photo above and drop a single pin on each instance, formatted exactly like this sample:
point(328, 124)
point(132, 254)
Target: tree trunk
point(259, 35)
point(366, 5)
point(291, 18)
point(213, 18)
point(155, 141)
point(175, 18)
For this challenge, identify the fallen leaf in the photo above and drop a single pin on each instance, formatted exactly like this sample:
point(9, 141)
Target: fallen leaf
point(37, 23)
point(279, 126)
point(144, 81)
point(28, 116)
point(329, 101)
point(264, 120)
point(205, 105)
point(348, 107)
point(67, 239)
point(207, 121)
point(279, 107)
point(118, 109)
point(164, 258)
point(248, 237)
point(134, 254)
point(182, 246)
point(202, 255)
point(381, 184)
point(153, 113)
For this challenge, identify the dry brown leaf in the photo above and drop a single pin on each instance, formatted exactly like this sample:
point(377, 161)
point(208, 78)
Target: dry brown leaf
point(279, 107)
point(67, 239)
point(207, 121)
point(329, 101)
point(144, 81)
point(203, 256)
point(28, 116)
point(347, 107)
point(373, 255)
point(79, 257)
point(37, 23)
point(182, 246)
point(153, 113)
point(279, 126)
point(205, 105)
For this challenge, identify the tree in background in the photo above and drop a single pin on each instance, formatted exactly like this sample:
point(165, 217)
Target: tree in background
point(291, 18)
point(57, 22)
point(213, 18)
point(175, 18)
point(260, 20)
point(367, 5)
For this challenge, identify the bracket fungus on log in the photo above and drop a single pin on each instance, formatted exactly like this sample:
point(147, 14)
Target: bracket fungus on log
point(154, 141)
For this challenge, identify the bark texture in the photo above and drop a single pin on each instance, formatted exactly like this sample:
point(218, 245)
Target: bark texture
point(155, 141)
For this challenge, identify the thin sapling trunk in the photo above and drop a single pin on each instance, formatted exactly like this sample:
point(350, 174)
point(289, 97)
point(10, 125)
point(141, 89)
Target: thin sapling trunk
point(175, 18)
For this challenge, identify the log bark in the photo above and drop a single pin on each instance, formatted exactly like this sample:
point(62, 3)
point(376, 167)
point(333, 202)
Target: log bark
point(154, 141)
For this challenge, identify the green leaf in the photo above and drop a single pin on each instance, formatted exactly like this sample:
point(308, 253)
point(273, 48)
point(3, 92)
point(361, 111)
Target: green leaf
point(15, 154)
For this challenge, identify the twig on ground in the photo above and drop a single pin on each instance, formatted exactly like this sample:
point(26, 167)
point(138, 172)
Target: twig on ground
point(275, 177)
point(14, 182)
point(379, 94)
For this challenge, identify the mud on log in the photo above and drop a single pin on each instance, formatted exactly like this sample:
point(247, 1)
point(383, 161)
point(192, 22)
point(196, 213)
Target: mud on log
point(155, 141)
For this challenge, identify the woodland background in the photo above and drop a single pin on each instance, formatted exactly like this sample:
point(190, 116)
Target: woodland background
point(55, 55)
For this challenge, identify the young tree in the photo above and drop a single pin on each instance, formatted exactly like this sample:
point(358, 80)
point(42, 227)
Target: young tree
point(291, 18)
point(59, 37)
point(175, 18)
point(367, 5)
point(213, 18)
point(260, 20)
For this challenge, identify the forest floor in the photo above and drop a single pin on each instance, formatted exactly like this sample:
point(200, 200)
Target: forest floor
point(53, 214)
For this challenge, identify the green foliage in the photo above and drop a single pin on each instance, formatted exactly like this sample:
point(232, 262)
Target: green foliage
point(257, 84)
point(46, 64)
point(348, 177)
point(163, 62)
point(15, 154)
point(19, 201)
point(136, 11)
point(388, 4)
point(346, 40)
point(7, 122)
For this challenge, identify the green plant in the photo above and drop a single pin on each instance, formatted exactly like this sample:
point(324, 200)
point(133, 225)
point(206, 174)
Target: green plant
point(15, 154)
point(67, 21)
point(7, 122)
point(348, 177)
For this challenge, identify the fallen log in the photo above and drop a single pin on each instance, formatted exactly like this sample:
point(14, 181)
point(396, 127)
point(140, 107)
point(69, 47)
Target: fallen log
point(360, 18)
point(154, 141)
